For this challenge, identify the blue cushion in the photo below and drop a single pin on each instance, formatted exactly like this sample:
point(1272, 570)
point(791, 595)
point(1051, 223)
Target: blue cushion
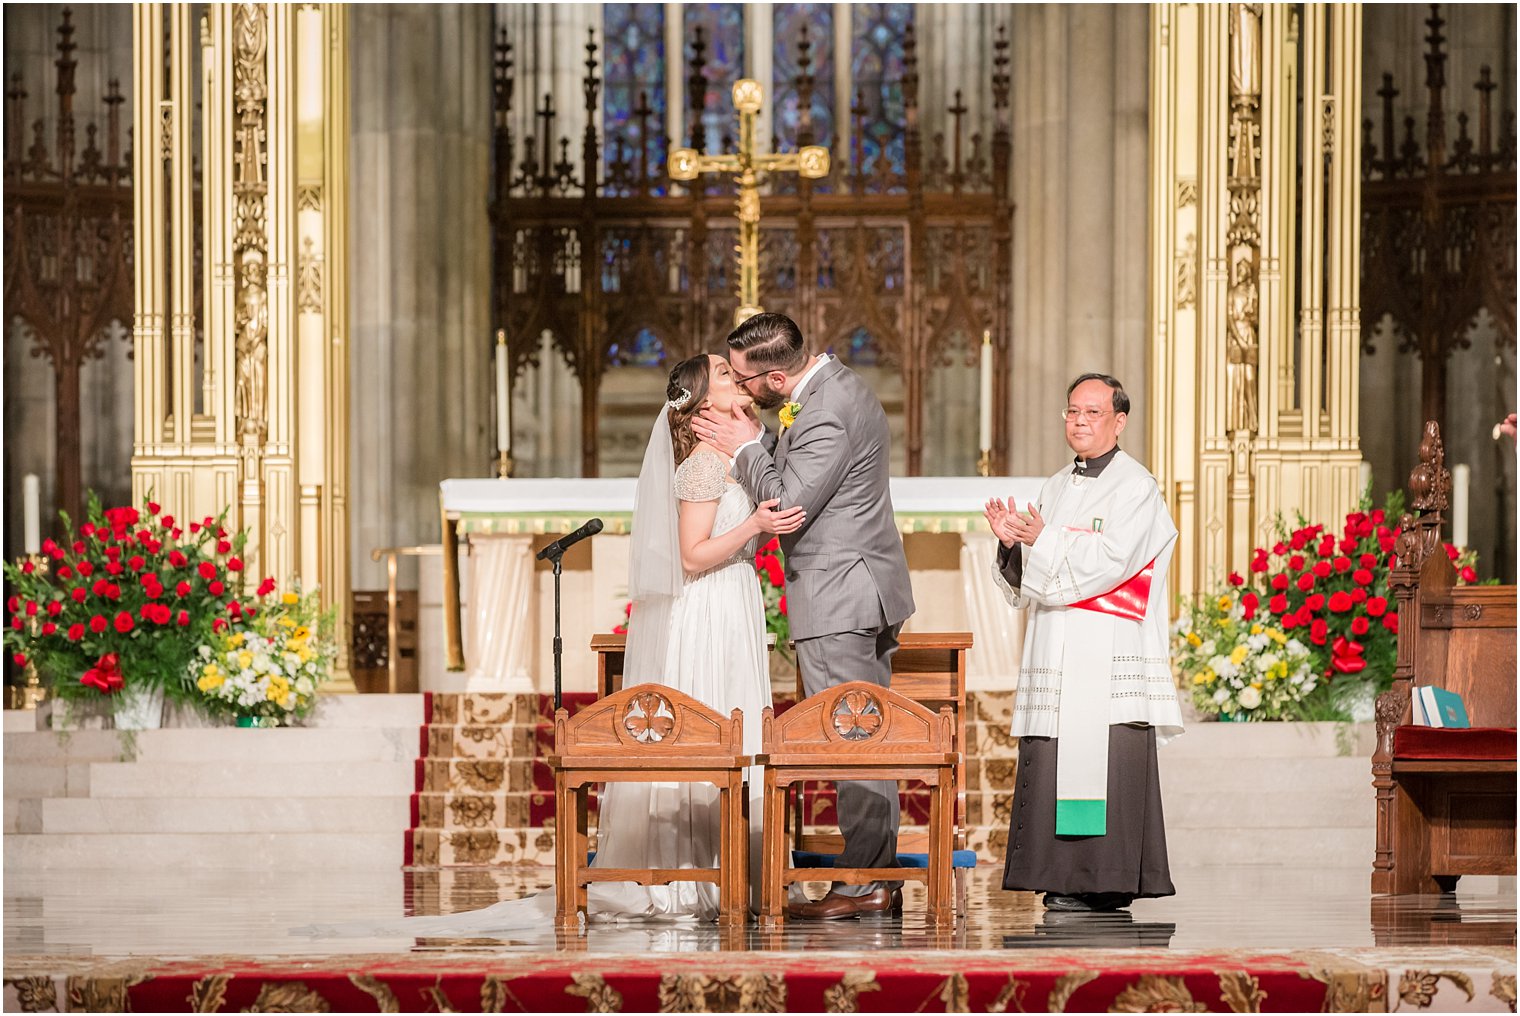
point(958, 859)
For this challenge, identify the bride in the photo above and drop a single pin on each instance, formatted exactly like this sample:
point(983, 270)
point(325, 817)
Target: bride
point(698, 625)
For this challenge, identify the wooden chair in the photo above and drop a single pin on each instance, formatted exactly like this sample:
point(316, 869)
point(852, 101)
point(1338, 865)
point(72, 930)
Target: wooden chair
point(1445, 797)
point(858, 731)
point(648, 734)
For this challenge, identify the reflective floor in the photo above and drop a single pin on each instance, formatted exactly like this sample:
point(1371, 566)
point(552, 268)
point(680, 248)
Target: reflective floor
point(105, 914)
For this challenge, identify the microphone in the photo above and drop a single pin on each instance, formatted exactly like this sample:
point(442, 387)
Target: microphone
point(564, 543)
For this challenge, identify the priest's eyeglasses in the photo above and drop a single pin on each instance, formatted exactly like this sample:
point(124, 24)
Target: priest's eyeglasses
point(1071, 414)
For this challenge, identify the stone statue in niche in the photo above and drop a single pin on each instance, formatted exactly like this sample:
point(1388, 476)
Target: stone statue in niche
point(1242, 352)
point(252, 334)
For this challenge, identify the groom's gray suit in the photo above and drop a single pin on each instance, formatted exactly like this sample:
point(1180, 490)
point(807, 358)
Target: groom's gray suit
point(847, 585)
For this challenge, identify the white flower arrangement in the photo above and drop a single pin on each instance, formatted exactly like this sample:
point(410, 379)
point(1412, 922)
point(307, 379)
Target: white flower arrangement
point(270, 666)
point(1238, 666)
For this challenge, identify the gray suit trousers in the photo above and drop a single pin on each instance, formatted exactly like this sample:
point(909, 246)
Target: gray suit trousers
point(867, 809)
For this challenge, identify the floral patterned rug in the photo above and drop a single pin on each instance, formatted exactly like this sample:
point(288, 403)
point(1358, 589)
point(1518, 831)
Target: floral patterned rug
point(1472, 979)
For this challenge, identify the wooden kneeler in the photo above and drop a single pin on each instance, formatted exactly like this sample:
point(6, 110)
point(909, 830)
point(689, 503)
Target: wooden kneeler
point(648, 734)
point(858, 731)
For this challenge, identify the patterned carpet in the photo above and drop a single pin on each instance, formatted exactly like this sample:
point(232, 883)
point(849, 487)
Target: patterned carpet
point(1446, 980)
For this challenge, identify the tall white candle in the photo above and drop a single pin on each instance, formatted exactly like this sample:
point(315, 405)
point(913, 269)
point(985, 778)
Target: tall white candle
point(1461, 481)
point(1364, 477)
point(503, 395)
point(31, 513)
point(985, 436)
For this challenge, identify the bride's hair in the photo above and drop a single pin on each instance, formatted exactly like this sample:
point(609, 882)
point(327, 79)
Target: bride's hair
point(687, 386)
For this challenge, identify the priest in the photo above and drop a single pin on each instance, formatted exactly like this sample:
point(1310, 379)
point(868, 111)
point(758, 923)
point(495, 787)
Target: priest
point(1095, 697)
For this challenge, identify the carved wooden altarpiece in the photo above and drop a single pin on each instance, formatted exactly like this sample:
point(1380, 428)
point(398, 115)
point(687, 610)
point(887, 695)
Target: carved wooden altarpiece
point(1438, 225)
point(601, 248)
point(68, 244)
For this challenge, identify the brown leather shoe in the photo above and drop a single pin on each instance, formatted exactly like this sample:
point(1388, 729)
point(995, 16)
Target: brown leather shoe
point(880, 901)
point(832, 907)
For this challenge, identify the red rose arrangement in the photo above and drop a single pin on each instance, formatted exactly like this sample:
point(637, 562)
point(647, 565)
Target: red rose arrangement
point(770, 564)
point(125, 600)
point(1330, 591)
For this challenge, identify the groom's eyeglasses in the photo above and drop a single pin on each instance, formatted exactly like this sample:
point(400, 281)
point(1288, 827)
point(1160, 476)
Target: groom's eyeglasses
point(751, 377)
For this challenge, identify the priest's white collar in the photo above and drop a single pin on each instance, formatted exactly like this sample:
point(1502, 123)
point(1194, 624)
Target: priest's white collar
point(1092, 467)
point(818, 361)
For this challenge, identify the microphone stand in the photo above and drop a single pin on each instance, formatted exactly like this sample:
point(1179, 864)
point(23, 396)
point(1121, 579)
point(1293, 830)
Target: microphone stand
point(559, 643)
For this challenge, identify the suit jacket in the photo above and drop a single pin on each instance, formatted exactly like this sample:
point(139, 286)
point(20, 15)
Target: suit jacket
point(845, 570)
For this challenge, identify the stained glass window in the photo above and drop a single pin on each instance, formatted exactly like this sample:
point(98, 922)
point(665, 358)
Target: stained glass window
point(645, 350)
point(876, 70)
point(634, 65)
point(787, 23)
point(723, 55)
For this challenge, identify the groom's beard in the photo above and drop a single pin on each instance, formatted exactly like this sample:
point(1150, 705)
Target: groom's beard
point(768, 398)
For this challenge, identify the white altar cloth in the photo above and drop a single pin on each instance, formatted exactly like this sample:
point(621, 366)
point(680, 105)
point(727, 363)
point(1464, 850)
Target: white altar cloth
point(923, 504)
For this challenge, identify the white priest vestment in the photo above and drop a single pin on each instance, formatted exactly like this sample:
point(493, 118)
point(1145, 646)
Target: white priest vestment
point(1089, 664)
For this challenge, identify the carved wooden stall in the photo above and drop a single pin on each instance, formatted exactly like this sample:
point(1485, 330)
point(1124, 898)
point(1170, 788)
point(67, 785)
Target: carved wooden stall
point(68, 243)
point(594, 244)
point(1445, 797)
point(1438, 224)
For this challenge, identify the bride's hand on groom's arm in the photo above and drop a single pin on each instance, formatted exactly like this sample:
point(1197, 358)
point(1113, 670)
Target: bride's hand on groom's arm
point(727, 431)
point(778, 523)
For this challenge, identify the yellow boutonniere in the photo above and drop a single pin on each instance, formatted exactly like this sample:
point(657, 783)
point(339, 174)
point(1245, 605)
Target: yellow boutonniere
point(788, 414)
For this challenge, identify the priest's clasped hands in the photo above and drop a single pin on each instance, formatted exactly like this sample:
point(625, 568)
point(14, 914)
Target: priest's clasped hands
point(1012, 526)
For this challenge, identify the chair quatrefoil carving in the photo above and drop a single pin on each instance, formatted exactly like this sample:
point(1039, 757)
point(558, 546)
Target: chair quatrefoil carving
point(857, 716)
point(649, 718)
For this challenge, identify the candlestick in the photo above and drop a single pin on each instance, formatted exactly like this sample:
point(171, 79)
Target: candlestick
point(31, 513)
point(503, 396)
point(985, 437)
point(1461, 481)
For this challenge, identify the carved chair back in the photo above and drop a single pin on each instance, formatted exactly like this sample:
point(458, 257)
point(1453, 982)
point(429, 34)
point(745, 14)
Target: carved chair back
point(648, 721)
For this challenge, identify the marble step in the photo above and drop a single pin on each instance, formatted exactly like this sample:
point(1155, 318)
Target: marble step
point(201, 851)
point(400, 710)
point(1253, 776)
point(31, 780)
point(1289, 848)
point(1273, 741)
point(20, 720)
point(23, 815)
point(249, 779)
point(225, 815)
point(44, 746)
point(1272, 809)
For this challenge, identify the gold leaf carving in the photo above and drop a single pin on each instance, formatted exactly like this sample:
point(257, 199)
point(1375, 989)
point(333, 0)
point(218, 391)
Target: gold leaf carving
point(1153, 993)
point(1241, 991)
point(598, 995)
point(288, 996)
point(376, 989)
point(1066, 985)
point(209, 994)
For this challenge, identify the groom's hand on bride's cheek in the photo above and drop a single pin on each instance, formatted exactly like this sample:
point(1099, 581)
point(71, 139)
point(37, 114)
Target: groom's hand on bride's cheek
point(726, 431)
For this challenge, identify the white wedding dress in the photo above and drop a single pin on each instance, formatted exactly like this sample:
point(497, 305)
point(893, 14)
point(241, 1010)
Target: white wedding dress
point(716, 653)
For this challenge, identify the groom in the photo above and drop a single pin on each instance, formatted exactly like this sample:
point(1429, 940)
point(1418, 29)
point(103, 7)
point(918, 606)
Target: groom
point(846, 574)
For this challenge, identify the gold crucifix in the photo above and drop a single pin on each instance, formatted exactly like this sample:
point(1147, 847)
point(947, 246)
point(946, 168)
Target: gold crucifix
point(687, 164)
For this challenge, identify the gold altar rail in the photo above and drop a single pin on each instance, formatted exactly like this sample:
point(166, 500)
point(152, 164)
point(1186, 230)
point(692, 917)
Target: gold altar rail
point(392, 556)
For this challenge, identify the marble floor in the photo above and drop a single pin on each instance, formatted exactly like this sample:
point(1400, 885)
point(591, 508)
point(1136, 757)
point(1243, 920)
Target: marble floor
point(99, 913)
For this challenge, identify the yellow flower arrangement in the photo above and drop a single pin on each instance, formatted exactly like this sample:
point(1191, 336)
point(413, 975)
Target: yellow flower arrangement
point(270, 667)
point(788, 414)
